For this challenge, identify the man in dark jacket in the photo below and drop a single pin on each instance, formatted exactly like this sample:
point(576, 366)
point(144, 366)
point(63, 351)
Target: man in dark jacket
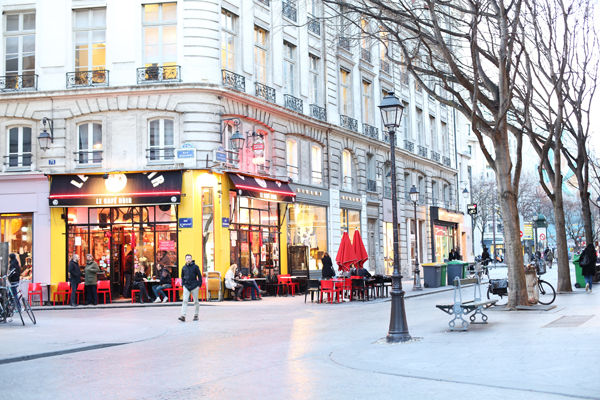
point(74, 278)
point(91, 280)
point(191, 280)
point(485, 256)
point(165, 283)
point(588, 269)
point(127, 273)
point(452, 256)
point(363, 273)
point(14, 270)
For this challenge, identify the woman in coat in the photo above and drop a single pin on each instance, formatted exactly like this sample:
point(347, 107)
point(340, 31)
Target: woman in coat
point(328, 271)
point(231, 284)
point(91, 280)
point(14, 269)
point(588, 270)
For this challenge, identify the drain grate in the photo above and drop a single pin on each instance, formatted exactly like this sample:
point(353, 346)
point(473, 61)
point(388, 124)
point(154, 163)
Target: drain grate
point(569, 322)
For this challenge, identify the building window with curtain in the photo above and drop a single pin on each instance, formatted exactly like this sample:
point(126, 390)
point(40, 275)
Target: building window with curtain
point(367, 102)
point(161, 140)
point(289, 68)
point(160, 41)
point(90, 46)
point(292, 159)
point(89, 143)
point(347, 181)
point(316, 162)
point(346, 92)
point(260, 55)
point(19, 147)
point(313, 83)
point(228, 35)
point(19, 50)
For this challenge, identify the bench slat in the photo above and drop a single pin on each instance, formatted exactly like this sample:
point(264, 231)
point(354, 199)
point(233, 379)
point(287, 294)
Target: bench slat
point(465, 281)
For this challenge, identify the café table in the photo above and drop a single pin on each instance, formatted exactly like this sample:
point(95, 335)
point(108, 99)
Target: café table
point(149, 284)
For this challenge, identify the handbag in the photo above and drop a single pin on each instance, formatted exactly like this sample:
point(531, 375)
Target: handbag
point(584, 261)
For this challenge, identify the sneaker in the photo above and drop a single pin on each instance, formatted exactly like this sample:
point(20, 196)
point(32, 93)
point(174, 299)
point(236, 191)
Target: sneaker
point(195, 318)
point(587, 287)
point(157, 300)
point(164, 300)
point(182, 318)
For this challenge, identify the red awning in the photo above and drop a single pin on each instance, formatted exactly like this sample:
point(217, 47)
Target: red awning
point(262, 188)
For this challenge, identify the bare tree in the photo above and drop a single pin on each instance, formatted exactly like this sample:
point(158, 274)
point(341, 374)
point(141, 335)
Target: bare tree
point(574, 224)
point(471, 50)
point(482, 191)
point(528, 199)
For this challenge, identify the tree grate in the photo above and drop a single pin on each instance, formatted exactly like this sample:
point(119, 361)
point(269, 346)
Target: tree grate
point(569, 322)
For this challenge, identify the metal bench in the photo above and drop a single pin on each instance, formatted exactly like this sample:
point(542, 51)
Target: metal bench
point(460, 307)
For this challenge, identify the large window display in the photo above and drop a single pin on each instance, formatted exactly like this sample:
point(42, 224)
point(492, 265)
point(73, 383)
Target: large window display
point(17, 230)
point(444, 241)
point(120, 238)
point(307, 227)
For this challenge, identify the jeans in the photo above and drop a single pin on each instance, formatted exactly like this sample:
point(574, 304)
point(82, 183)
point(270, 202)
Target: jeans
point(126, 292)
point(13, 289)
point(588, 280)
point(253, 288)
point(158, 290)
point(186, 298)
point(143, 293)
point(74, 298)
point(91, 294)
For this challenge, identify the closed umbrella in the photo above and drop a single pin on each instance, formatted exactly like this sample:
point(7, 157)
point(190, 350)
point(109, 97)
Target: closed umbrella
point(359, 249)
point(345, 256)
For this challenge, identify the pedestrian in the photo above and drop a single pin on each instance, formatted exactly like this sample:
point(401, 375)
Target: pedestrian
point(231, 284)
point(165, 283)
point(485, 255)
point(452, 255)
point(587, 261)
point(327, 272)
point(14, 275)
point(127, 272)
point(191, 280)
point(138, 284)
point(550, 258)
point(91, 280)
point(74, 278)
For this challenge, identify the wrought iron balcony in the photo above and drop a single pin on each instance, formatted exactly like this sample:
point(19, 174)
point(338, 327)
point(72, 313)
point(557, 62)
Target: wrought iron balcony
point(318, 112)
point(371, 185)
point(234, 81)
point(160, 154)
point(409, 146)
point(370, 131)
point(349, 123)
point(385, 66)
point(21, 160)
point(365, 55)
point(344, 43)
point(16, 83)
point(265, 92)
point(422, 151)
point(98, 77)
point(293, 103)
point(289, 11)
point(386, 139)
point(292, 172)
point(317, 178)
point(88, 157)
point(157, 74)
point(446, 161)
point(314, 25)
point(265, 2)
point(435, 156)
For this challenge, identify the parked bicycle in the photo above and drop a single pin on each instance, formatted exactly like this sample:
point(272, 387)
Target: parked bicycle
point(10, 305)
point(479, 268)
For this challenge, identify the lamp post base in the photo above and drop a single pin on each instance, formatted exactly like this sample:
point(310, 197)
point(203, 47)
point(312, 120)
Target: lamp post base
point(417, 282)
point(398, 326)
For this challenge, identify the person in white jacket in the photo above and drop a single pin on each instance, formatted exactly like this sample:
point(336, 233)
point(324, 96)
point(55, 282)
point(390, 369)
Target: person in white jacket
point(230, 283)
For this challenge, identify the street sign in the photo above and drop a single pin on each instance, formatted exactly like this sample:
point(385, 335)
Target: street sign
point(521, 234)
point(186, 222)
point(542, 236)
point(472, 209)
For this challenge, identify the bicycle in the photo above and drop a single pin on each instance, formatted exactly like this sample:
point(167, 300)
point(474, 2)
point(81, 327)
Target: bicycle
point(479, 269)
point(8, 303)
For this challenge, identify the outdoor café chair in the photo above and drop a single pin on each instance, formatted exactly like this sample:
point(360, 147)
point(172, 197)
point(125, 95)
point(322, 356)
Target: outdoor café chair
point(64, 289)
point(358, 286)
point(330, 288)
point(314, 286)
point(35, 289)
point(104, 289)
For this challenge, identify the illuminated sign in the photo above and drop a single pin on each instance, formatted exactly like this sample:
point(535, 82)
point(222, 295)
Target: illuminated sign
point(472, 209)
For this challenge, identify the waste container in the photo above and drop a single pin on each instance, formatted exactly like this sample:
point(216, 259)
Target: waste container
point(443, 274)
point(580, 280)
point(432, 275)
point(457, 268)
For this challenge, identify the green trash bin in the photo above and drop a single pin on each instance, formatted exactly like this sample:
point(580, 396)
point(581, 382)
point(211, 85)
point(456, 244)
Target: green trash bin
point(580, 280)
point(444, 273)
point(457, 268)
point(432, 275)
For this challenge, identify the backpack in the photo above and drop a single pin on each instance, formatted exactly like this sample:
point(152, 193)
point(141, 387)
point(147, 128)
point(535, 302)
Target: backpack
point(584, 261)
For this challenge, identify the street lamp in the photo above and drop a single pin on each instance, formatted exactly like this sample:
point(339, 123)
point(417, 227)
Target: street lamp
point(465, 194)
point(414, 197)
point(391, 114)
point(45, 138)
point(237, 140)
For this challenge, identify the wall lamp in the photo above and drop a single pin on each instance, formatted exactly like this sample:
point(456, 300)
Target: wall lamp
point(45, 138)
point(236, 140)
point(251, 137)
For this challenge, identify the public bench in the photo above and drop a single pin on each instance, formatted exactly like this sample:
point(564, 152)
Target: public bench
point(460, 307)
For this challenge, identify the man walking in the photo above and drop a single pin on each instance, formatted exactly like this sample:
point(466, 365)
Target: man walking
point(191, 279)
point(74, 278)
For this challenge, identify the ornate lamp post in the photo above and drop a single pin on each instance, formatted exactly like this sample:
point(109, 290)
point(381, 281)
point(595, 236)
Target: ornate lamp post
point(414, 197)
point(391, 114)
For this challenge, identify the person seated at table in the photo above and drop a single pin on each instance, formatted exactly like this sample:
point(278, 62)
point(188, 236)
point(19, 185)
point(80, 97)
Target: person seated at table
point(327, 272)
point(230, 283)
point(250, 283)
point(363, 273)
point(165, 283)
point(138, 284)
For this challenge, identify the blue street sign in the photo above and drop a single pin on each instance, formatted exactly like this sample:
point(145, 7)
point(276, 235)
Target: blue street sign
point(221, 156)
point(186, 222)
point(52, 162)
point(185, 153)
point(225, 223)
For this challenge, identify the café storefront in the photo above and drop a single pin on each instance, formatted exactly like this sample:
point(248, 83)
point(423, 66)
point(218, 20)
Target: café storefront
point(445, 232)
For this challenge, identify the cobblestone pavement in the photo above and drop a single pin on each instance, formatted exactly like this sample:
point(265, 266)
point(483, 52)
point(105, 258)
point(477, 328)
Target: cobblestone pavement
point(284, 348)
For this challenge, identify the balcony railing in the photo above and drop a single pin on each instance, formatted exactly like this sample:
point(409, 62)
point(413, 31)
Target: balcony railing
point(435, 156)
point(88, 157)
point(370, 131)
point(385, 66)
point(349, 123)
point(265, 2)
point(157, 74)
point(264, 168)
point(365, 55)
point(348, 183)
point(387, 192)
point(98, 77)
point(292, 172)
point(314, 25)
point(386, 138)
point(234, 81)
point(318, 112)
point(293, 103)
point(265, 92)
point(371, 185)
point(21, 160)
point(344, 43)
point(317, 178)
point(16, 83)
point(446, 161)
point(409, 146)
point(160, 154)
point(422, 151)
point(290, 12)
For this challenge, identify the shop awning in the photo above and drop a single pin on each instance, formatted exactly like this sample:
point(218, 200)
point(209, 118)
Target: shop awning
point(120, 189)
point(262, 188)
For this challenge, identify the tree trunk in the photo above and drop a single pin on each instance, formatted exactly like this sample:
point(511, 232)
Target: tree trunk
point(584, 195)
point(562, 258)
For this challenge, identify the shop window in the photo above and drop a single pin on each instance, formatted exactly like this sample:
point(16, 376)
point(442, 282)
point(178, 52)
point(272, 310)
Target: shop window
point(161, 140)
point(347, 177)
point(208, 237)
point(17, 231)
point(19, 147)
point(292, 159)
point(89, 143)
point(316, 165)
point(307, 227)
point(350, 221)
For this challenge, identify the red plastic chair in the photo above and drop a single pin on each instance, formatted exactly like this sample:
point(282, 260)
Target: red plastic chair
point(170, 290)
point(328, 287)
point(282, 283)
point(291, 284)
point(35, 289)
point(64, 289)
point(177, 286)
point(104, 289)
point(203, 291)
point(80, 291)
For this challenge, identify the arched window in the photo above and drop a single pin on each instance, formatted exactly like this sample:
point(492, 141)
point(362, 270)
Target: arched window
point(19, 147)
point(89, 143)
point(161, 140)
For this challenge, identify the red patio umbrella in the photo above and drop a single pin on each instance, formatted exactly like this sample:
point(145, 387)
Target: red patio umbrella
point(345, 255)
point(359, 249)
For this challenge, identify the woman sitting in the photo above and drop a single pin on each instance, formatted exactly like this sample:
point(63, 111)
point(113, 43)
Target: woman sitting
point(138, 284)
point(231, 284)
